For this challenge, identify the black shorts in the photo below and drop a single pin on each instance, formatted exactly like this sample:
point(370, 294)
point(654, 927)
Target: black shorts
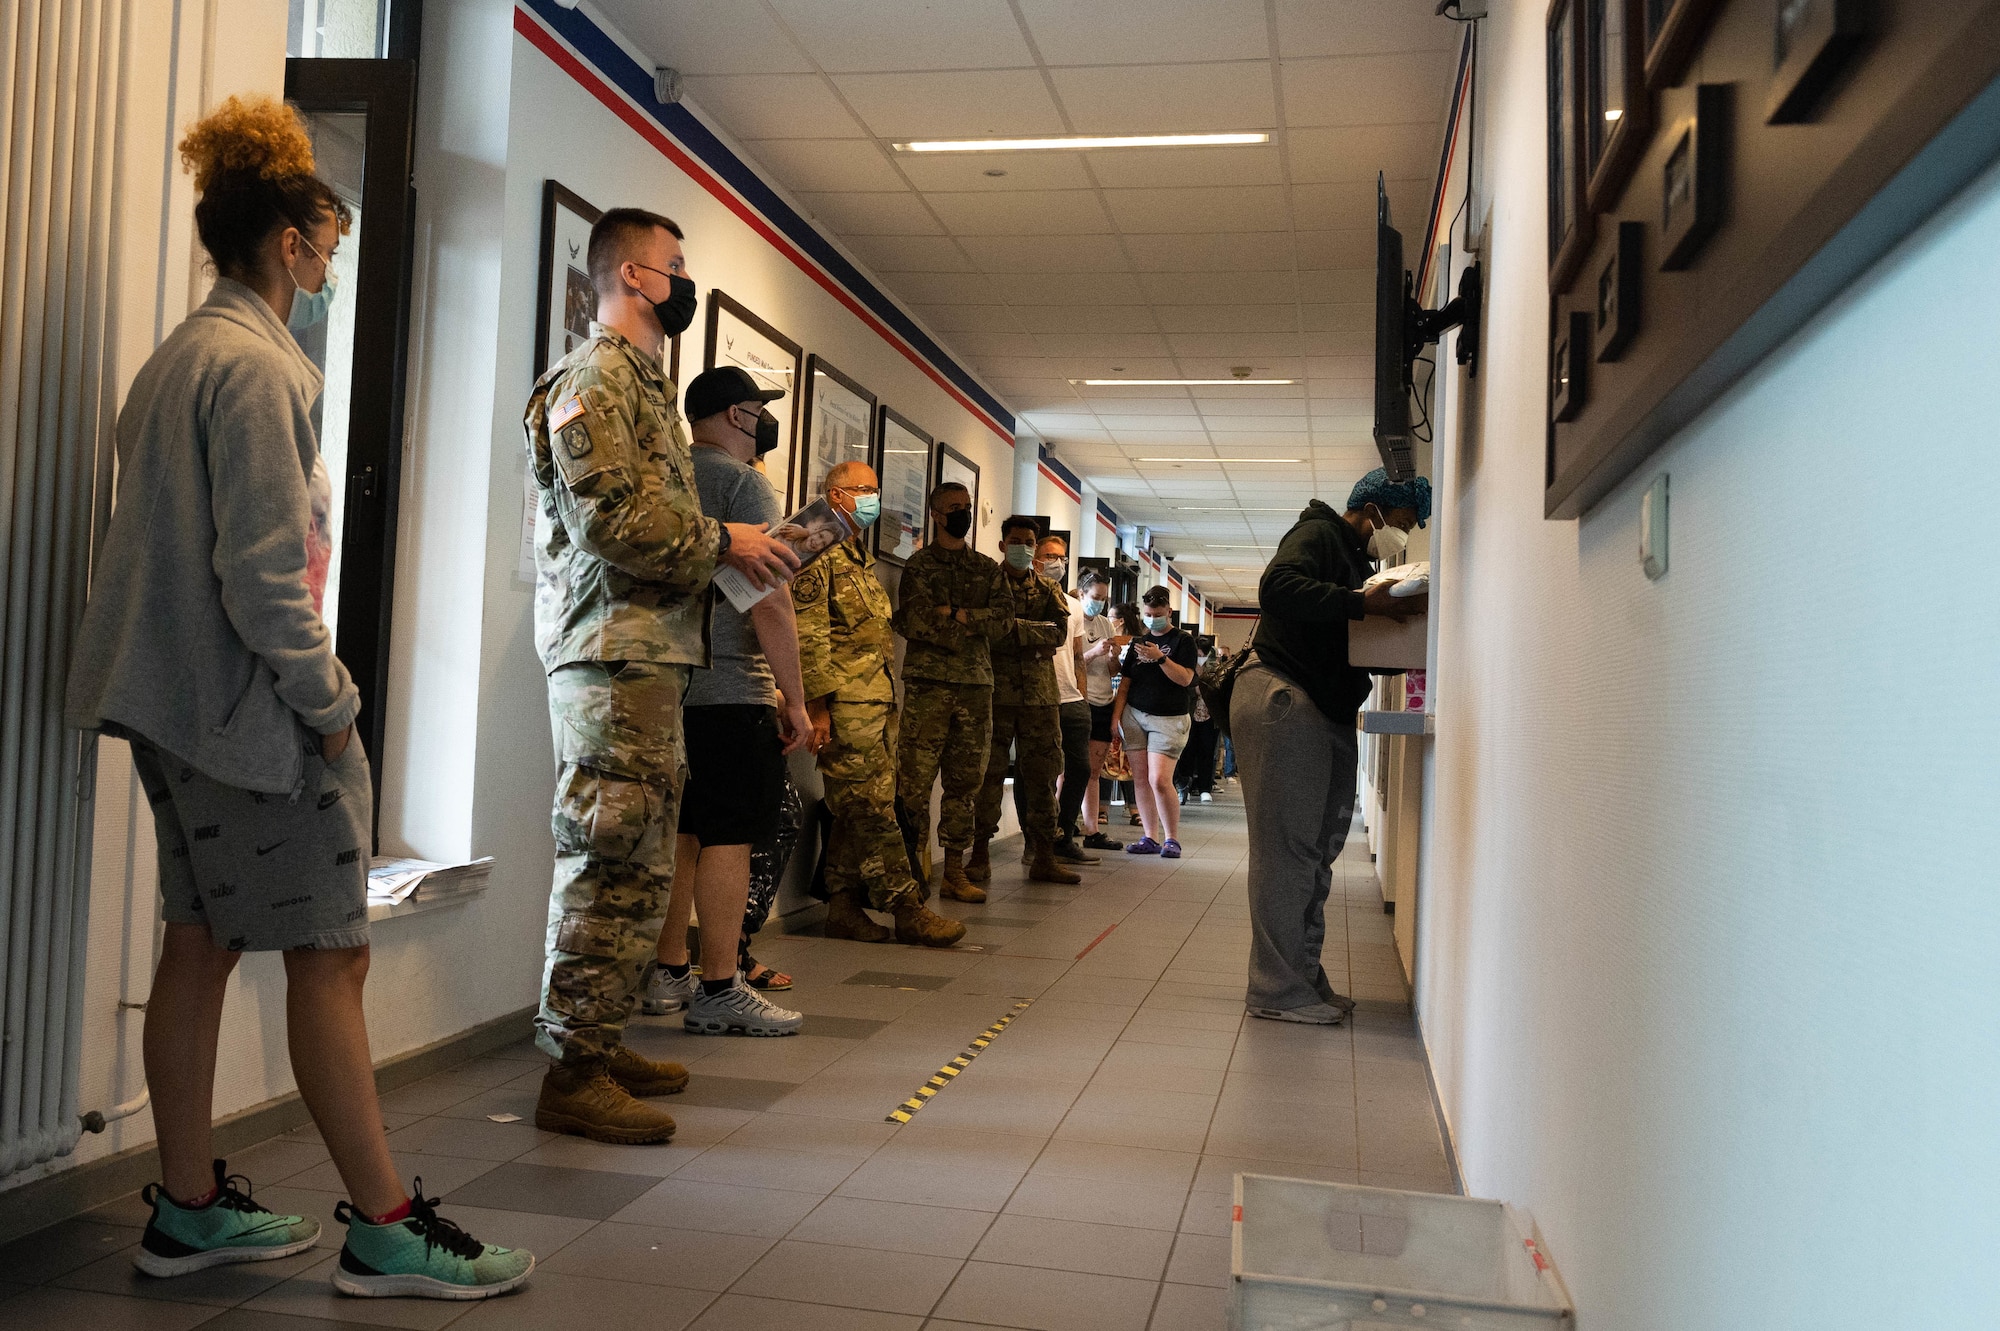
point(736, 774)
point(1100, 722)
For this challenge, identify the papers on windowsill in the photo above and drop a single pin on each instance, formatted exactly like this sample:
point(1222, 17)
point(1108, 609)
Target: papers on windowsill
point(395, 880)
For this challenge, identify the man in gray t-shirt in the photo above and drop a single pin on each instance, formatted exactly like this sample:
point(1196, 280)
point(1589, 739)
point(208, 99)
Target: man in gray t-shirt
point(741, 716)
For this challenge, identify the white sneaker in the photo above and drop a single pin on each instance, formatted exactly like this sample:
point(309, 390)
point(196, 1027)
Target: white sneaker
point(661, 995)
point(739, 1008)
point(1207, 798)
point(1312, 1014)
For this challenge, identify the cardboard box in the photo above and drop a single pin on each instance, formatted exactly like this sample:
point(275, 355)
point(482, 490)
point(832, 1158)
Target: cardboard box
point(1381, 643)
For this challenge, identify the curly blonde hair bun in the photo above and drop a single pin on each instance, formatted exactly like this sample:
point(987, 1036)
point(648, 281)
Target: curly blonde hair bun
point(255, 135)
point(253, 167)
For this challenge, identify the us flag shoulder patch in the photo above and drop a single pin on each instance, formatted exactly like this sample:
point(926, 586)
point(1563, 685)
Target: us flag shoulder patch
point(565, 411)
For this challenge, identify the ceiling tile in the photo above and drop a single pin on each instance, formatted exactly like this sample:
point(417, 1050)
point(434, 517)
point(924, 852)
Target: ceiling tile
point(1122, 423)
point(1022, 213)
point(1353, 248)
point(908, 254)
point(985, 345)
point(1290, 393)
point(1158, 168)
point(1086, 318)
point(1340, 367)
point(871, 214)
point(1351, 343)
point(1339, 318)
point(1364, 27)
point(969, 104)
point(1056, 422)
point(1223, 367)
point(968, 171)
point(1105, 366)
point(1102, 344)
point(699, 37)
point(1021, 367)
point(1136, 32)
point(1027, 394)
point(1228, 318)
point(1347, 286)
point(1358, 152)
point(774, 106)
point(1227, 251)
point(1221, 288)
point(1368, 89)
point(1238, 345)
point(1031, 254)
point(1168, 99)
point(851, 35)
point(945, 288)
point(1249, 208)
point(1072, 289)
point(844, 165)
point(968, 318)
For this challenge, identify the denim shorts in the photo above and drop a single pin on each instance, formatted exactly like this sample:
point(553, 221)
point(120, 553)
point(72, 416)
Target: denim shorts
point(1155, 734)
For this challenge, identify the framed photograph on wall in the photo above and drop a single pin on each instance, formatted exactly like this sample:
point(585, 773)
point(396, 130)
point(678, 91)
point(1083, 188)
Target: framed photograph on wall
point(1674, 28)
point(1569, 219)
point(840, 419)
point(738, 337)
point(1618, 111)
point(903, 461)
point(1812, 42)
point(953, 465)
point(568, 301)
point(1695, 179)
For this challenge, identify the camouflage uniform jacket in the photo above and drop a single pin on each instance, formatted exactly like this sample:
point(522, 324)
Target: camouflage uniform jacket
point(623, 555)
point(941, 648)
point(845, 642)
point(1024, 668)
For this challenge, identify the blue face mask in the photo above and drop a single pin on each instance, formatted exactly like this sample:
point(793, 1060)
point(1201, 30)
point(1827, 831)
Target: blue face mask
point(1159, 623)
point(311, 307)
point(1020, 556)
point(867, 508)
point(1092, 609)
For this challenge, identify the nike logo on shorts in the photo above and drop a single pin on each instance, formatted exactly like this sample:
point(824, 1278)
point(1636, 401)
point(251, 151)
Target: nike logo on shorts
point(266, 850)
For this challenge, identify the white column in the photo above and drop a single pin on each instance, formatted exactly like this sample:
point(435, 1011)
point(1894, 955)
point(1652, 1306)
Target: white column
point(1087, 526)
point(1027, 474)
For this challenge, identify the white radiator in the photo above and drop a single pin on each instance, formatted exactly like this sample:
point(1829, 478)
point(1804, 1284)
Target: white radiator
point(59, 65)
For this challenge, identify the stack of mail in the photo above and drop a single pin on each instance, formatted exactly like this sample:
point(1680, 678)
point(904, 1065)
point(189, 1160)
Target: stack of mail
point(394, 880)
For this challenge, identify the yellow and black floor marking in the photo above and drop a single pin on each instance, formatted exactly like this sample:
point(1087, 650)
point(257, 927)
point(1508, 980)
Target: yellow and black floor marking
point(905, 1111)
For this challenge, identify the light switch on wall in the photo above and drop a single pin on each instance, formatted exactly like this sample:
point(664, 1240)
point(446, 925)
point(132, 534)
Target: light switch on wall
point(1653, 528)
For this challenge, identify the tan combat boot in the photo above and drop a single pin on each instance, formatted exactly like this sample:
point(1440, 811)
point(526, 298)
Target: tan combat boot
point(583, 1100)
point(980, 867)
point(918, 923)
point(1045, 869)
point(957, 887)
point(846, 919)
point(643, 1077)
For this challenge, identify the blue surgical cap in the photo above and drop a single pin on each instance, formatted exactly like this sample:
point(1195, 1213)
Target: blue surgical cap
point(1376, 488)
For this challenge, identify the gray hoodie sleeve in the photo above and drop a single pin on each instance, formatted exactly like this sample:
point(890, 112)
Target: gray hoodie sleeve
point(257, 484)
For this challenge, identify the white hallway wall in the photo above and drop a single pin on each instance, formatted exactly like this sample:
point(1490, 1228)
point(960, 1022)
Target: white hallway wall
point(1710, 920)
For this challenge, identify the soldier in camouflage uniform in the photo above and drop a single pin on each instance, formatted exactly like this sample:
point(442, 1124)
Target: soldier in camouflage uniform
point(623, 558)
point(845, 650)
point(955, 604)
point(1025, 711)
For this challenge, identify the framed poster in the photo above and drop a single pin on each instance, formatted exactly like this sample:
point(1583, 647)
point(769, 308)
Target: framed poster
point(1811, 43)
point(568, 301)
point(1569, 220)
point(738, 337)
point(953, 465)
point(840, 419)
point(1674, 28)
point(903, 462)
point(1695, 180)
point(1618, 112)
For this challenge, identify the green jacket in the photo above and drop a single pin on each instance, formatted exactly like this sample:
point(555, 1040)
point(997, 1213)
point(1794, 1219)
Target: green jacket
point(940, 647)
point(1024, 668)
point(845, 642)
point(623, 554)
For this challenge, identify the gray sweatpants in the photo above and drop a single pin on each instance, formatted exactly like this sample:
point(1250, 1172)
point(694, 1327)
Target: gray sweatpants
point(1298, 772)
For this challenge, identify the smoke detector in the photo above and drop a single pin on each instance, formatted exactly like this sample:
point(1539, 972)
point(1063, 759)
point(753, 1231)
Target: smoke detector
point(1240, 371)
point(666, 85)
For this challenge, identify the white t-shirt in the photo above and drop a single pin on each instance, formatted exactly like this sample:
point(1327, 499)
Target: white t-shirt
point(1098, 671)
point(1066, 654)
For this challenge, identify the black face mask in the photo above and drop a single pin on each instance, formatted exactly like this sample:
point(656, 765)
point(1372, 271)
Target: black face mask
point(958, 523)
point(676, 312)
point(767, 432)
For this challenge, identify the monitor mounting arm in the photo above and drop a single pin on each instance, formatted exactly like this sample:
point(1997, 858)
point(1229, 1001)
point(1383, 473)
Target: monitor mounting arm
point(1427, 326)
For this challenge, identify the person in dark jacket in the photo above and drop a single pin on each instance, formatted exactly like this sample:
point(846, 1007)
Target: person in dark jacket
point(1292, 717)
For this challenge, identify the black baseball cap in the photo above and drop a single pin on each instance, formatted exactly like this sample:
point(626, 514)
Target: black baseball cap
point(721, 388)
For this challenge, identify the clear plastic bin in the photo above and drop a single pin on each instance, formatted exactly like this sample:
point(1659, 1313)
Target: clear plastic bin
point(1307, 1256)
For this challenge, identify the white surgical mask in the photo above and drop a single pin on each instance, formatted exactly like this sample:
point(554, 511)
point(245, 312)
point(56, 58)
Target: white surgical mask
point(1388, 543)
point(1092, 609)
point(1020, 556)
point(1053, 569)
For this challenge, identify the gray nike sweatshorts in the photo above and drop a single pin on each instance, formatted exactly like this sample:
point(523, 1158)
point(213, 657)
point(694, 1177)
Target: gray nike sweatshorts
point(263, 873)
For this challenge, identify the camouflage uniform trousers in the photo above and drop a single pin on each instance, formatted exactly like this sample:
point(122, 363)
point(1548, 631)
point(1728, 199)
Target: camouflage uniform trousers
point(1034, 733)
point(617, 806)
point(945, 728)
point(865, 854)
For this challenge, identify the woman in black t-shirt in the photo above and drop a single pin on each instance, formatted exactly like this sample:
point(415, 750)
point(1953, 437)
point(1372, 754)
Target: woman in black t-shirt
point(1149, 718)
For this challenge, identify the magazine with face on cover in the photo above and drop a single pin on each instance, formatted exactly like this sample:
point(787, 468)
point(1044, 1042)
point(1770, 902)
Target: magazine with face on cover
point(810, 532)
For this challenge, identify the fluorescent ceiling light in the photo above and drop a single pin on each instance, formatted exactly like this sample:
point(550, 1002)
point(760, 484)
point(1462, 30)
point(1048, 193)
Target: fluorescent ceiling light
point(1234, 508)
point(1178, 383)
point(1222, 459)
point(1074, 142)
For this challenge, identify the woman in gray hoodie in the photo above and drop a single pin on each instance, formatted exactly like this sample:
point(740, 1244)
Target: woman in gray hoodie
point(203, 647)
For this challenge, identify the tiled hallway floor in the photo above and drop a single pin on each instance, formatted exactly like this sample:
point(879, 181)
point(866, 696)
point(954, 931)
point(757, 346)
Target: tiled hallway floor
point(1077, 1176)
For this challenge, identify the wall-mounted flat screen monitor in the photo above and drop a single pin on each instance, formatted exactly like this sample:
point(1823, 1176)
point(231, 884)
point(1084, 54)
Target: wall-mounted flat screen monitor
point(1392, 381)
